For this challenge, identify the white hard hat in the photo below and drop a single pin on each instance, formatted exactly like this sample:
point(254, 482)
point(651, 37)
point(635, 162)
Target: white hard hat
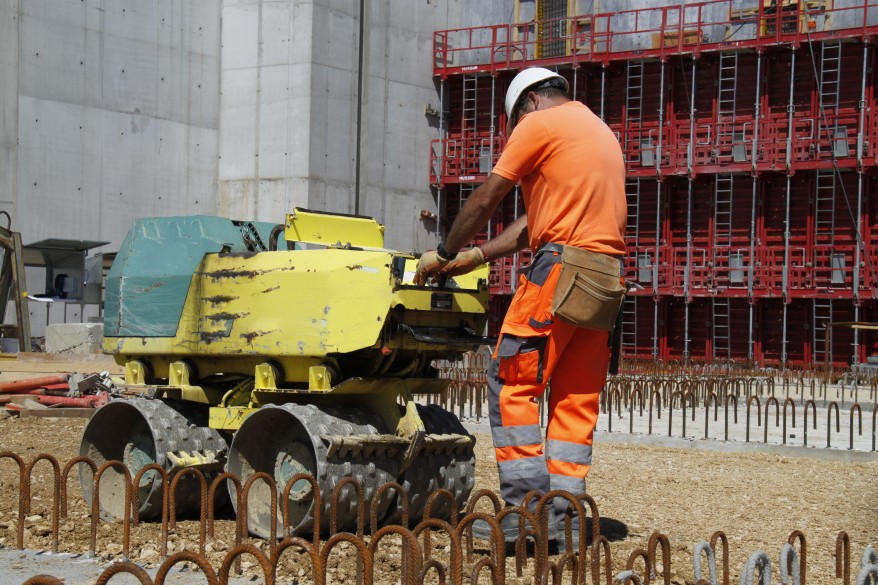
point(526, 79)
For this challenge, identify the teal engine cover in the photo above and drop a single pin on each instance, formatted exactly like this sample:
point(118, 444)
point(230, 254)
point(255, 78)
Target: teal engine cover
point(149, 280)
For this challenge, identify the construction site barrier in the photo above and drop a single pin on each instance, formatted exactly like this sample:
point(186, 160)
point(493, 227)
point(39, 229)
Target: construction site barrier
point(751, 395)
point(593, 554)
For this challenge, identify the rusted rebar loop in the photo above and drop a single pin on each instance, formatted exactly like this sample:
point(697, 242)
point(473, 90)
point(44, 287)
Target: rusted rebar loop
point(202, 484)
point(843, 557)
point(364, 556)
point(135, 502)
point(22, 495)
point(316, 502)
point(215, 485)
point(46, 580)
point(245, 500)
point(56, 491)
point(415, 554)
point(268, 569)
point(96, 507)
point(310, 549)
point(65, 476)
point(127, 568)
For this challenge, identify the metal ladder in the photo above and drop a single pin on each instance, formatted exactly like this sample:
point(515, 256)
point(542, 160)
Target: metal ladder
point(721, 328)
point(722, 210)
point(726, 97)
point(824, 207)
point(822, 314)
point(728, 84)
point(634, 102)
point(629, 326)
point(830, 74)
point(632, 192)
point(468, 122)
point(466, 189)
point(830, 82)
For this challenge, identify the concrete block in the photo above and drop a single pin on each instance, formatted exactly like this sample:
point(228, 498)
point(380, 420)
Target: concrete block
point(74, 338)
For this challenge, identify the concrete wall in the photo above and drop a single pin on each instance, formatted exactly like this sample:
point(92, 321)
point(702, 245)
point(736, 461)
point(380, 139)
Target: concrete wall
point(113, 110)
point(8, 105)
point(289, 108)
point(114, 114)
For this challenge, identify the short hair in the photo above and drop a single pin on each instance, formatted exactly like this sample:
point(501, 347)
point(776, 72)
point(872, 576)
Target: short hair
point(550, 88)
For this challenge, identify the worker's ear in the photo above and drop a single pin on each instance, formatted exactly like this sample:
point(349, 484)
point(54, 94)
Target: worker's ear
point(534, 98)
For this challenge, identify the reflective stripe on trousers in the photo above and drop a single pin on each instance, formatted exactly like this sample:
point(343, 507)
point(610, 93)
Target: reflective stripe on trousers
point(533, 348)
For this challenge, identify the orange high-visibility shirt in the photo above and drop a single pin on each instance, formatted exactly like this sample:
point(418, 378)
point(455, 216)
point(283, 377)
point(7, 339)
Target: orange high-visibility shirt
point(572, 177)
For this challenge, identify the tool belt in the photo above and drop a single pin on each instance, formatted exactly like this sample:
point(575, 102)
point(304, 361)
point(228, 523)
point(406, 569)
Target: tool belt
point(589, 292)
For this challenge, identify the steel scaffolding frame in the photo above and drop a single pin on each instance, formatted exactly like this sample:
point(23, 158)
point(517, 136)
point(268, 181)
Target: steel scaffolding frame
point(767, 126)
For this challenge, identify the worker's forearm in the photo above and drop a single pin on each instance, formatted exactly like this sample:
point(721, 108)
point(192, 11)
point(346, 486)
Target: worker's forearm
point(476, 212)
point(510, 240)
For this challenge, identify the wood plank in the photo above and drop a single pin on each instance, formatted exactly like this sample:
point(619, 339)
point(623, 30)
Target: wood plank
point(57, 412)
point(27, 402)
point(49, 363)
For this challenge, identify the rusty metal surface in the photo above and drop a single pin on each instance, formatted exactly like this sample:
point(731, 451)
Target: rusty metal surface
point(670, 398)
point(592, 555)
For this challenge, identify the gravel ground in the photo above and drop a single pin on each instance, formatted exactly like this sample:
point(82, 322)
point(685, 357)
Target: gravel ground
point(686, 494)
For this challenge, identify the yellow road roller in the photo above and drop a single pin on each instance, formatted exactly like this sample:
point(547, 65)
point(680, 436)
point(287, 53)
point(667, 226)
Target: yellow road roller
point(282, 348)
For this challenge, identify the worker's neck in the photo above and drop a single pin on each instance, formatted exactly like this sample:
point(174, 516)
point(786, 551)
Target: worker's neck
point(547, 103)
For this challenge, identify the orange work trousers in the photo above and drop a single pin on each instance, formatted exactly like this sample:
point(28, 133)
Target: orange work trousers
point(533, 349)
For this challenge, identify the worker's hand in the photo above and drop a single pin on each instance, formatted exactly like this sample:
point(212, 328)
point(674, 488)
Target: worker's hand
point(429, 266)
point(464, 263)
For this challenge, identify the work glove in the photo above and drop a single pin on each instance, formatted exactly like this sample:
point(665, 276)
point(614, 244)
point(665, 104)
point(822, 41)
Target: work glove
point(429, 266)
point(464, 263)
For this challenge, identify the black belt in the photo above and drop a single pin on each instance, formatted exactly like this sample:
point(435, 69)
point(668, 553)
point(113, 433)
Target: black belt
point(554, 247)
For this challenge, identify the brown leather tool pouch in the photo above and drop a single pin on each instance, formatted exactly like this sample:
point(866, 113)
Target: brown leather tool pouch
point(590, 291)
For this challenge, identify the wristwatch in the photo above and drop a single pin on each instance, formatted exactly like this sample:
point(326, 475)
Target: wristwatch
point(443, 254)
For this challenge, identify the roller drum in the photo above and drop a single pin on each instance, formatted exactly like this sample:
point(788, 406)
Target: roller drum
point(138, 432)
point(286, 440)
point(433, 470)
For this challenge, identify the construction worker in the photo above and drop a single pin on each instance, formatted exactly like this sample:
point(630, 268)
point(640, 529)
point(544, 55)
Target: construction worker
point(572, 176)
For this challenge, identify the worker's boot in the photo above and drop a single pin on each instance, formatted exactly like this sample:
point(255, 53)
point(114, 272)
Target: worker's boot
point(561, 507)
point(563, 544)
point(576, 526)
point(510, 525)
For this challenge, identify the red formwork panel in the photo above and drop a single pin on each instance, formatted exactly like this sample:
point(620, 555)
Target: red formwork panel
point(638, 326)
point(869, 274)
point(822, 242)
point(769, 346)
point(640, 130)
point(830, 248)
point(641, 232)
point(772, 250)
point(613, 103)
point(606, 67)
point(675, 194)
point(803, 346)
point(718, 329)
point(718, 212)
point(497, 307)
point(733, 254)
point(646, 32)
point(837, 123)
point(739, 324)
point(775, 137)
point(585, 85)
point(868, 339)
point(679, 127)
point(672, 328)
